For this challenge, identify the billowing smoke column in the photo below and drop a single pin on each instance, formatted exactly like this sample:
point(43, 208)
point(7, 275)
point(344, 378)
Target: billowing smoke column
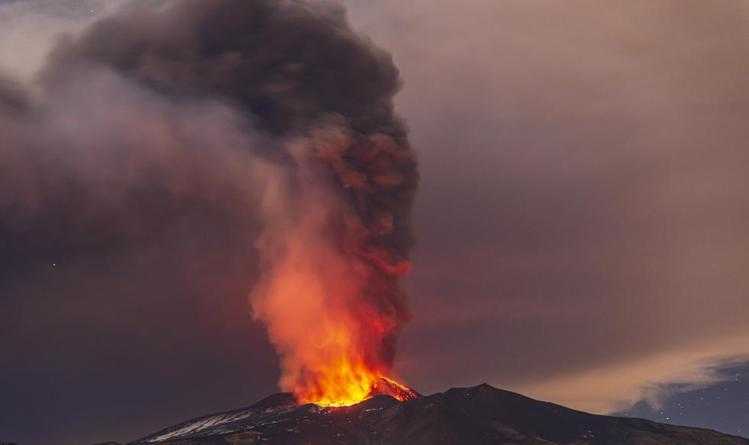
point(330, 293)
point(310, 101)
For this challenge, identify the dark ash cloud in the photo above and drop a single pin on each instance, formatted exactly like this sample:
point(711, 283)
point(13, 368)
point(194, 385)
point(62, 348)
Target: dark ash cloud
point(135, 179)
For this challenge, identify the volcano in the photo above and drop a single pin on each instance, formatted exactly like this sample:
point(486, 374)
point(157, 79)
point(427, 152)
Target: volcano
point(460, 416)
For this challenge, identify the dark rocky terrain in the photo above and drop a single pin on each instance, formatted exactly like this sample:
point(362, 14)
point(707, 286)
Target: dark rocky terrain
point(461, 416)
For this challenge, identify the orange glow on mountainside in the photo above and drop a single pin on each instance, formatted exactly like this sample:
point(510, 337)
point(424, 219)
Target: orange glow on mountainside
point(345, 384)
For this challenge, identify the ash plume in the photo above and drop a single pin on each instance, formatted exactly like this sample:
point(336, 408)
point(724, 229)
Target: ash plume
point(273, 115)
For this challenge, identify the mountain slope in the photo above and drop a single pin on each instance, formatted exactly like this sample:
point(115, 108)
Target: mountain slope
point(460, 416)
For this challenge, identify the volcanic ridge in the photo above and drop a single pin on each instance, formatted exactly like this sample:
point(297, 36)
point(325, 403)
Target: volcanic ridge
point(459, 416)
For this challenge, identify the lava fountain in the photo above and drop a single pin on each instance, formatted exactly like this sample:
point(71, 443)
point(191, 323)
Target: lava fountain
point(329, 294)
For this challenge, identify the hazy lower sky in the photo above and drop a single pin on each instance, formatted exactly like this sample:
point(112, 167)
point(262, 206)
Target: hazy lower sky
point(581, 228)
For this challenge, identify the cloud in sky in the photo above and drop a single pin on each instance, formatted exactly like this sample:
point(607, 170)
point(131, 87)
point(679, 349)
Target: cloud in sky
point(29, 28)
point(582, 203)
point(620, 385)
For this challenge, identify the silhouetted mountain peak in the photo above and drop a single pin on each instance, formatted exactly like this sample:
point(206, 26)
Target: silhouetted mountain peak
point(461, 416)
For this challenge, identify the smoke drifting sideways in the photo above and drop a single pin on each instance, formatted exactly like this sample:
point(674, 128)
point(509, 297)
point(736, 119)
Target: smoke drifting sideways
point(274, 113)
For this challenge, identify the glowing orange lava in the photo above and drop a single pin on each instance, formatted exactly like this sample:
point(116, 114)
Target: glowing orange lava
point(345, 379)
point(340, 384)
point(346, 384)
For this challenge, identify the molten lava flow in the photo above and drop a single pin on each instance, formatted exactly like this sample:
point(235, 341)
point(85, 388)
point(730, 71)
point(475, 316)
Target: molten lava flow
point(348, 381)
point(340, 384)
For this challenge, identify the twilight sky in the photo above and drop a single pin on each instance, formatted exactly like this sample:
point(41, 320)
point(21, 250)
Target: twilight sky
point(581, 227)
